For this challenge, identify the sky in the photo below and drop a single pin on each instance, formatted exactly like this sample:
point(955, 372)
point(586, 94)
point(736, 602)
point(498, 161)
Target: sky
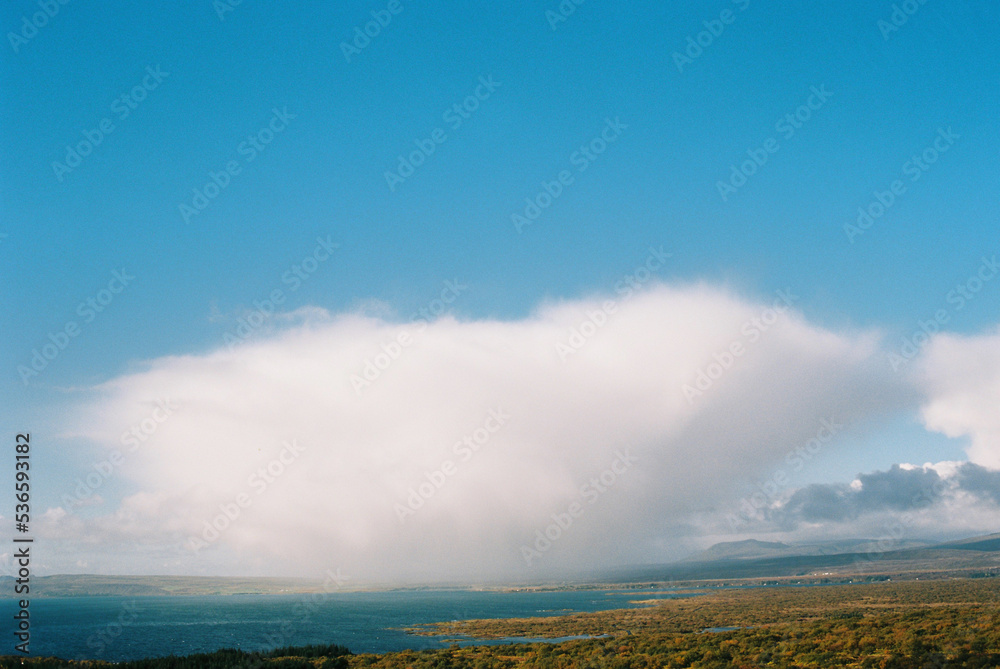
point(272, 272)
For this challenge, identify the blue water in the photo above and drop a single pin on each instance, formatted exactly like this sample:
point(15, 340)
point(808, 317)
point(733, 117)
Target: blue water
point(127, 628)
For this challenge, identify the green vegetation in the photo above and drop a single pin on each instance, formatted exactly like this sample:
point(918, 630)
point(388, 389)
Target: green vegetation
point(888, 625)
point(304, 657)
point(740, 608)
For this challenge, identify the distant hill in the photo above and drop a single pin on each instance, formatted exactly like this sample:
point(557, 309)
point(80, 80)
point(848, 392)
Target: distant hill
point(742, 550)
point(834, 559)
point(732, 560)
point(752, 548)
point(80, 585)
point(990, 542)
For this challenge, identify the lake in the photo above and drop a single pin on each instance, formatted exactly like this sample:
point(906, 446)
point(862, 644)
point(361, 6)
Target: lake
point(128, 628)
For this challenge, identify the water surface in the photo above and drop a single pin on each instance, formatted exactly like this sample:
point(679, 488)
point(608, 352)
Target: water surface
point(126, 628)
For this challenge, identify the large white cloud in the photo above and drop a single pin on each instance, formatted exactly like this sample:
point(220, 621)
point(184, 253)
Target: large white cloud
point(962, 378)
point(568, 417)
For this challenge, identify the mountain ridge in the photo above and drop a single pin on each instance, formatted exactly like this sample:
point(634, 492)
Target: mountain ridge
point(745, 559)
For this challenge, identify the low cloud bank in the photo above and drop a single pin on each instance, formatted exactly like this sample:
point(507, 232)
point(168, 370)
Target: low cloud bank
point(595, 432)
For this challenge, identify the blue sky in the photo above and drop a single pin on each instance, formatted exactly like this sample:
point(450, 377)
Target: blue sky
point(348, 120)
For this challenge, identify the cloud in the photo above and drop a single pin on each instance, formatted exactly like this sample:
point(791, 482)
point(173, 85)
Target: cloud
point(703, 388)
point(962, 378)
point(818, 502)
point(980, 481)
point(900, 488)
point(944, 500)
